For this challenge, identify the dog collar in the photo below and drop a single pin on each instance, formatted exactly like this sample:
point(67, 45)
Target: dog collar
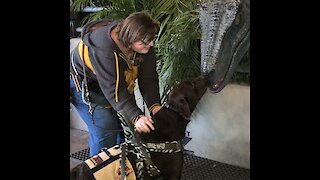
point(175, 110)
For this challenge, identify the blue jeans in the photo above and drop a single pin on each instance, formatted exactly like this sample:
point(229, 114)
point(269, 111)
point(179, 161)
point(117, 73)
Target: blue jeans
point(105, 130)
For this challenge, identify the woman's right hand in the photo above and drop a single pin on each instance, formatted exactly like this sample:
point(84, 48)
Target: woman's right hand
point(144, 124)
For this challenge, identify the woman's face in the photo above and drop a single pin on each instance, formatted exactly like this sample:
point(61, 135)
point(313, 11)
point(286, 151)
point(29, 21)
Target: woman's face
point(142, 47)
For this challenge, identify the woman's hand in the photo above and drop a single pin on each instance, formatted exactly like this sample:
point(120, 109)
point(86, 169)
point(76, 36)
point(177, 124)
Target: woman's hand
point(144, 124)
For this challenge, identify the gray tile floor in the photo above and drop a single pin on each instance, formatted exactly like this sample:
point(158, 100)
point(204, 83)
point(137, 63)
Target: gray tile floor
point(79, 140)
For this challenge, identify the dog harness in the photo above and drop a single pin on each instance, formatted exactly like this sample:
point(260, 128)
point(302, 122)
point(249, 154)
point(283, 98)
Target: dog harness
point(165, 147)
point(140, 151)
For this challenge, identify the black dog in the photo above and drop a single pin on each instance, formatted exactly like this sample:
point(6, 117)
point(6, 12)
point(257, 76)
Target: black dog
point(170, 124)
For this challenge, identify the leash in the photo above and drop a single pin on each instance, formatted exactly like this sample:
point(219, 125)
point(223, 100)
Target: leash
point(131, 138)
point(123, 165)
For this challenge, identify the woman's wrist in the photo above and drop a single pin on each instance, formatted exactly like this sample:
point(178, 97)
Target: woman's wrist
point(136, 119)
point(155, 109)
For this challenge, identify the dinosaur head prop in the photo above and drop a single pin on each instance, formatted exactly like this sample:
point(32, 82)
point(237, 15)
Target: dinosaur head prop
point(225, 38)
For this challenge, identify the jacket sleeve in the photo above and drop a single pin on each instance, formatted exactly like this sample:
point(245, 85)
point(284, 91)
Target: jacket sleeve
point(148, 80)
point(110, 75)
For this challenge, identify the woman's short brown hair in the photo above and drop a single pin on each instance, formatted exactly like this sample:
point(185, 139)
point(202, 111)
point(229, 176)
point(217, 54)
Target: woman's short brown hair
point(137, 26)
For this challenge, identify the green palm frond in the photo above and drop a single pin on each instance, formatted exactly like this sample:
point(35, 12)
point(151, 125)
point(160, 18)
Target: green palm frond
point(78, 5)
point(179, 50)
point(163, 8)
point(144, 5)
point(125, 5)
point(107, 12)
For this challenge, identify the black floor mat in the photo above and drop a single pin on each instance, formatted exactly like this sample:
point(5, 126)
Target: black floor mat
point(81, 155)
point(196, 168)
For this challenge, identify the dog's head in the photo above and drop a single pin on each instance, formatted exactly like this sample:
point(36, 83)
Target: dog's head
point(185, 96)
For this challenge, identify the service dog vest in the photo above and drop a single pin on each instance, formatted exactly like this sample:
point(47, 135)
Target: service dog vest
point(106, 165)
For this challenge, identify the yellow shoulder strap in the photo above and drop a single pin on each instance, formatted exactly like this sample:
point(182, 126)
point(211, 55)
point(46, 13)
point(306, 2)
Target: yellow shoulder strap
point(82, 47)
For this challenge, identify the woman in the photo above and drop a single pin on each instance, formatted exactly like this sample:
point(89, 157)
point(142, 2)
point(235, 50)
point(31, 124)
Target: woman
point(104, 66)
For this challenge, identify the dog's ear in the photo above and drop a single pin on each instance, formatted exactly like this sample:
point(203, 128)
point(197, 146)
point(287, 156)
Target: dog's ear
point(185, 109)
point(181, 106)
